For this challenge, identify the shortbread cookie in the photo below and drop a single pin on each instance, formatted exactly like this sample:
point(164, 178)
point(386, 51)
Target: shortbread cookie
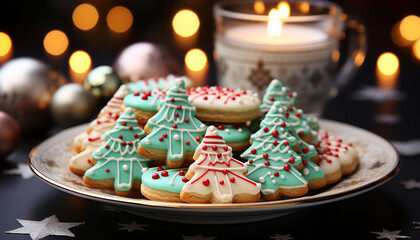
point(119, 166)
point(174, 132)
point(114, 105)
point(160, 83)
point(235, 135)
point(301, 127)
point(216, 177)
point(216, 104)
point(310, 171)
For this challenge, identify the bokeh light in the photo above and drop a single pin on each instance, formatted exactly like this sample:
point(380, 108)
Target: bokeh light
point(5, 44)
point(305, 7)
point(416, 49)
point(80, 61)
point(119, 19)
point(185, 23)
point(274, 25)
point(195, 59)
point(284, 9)
point(335, 56)
point(259, 7)
point(410, 28)
point(85, 16)
point(388, 64)
point(396, 36)
point(56, 42)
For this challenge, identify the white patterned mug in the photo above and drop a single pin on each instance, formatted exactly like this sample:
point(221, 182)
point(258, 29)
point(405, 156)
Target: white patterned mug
point(304, 56)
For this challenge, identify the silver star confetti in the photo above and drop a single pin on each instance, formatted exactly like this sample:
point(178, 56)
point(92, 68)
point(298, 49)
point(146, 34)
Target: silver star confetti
point(197, 237)
point(22, 169)
point(132, 226)
point(281, 237)
point(417, 225)
point(48, 226)
point(411, 184)
point(391, 235)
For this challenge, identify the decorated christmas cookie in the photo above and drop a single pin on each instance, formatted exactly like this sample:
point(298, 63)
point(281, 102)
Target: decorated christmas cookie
point(119, 166)
point(276, 91)
point(144, 104)
point(216, 177)
point(216, 104)
point(161, 83)
point(174, 132)
point(114, 105)
point(235, 135)
point(301, 127)
point(311, 171)
point(163, 183)
point(271, 160)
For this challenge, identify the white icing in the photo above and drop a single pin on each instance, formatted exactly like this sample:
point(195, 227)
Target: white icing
point(176, 136)
point(147, 141)
point(125, 167)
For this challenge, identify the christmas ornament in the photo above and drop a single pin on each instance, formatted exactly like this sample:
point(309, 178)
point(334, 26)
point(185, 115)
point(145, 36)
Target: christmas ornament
point(102, 82)
point(145, 60)
point(391, 235)
point(22, 169)
point(48, 226)
point(26, 89)
point(411, 184)
point(130, 227)
point(72, 104)
point(9, 134)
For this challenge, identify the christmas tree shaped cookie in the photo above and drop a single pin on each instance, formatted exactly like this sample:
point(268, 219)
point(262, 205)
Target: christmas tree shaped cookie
point(174, 132)
point(310, 171)
point(276, 91)
point(300, 125)
point(271, 160)
point(216, 177)
point(119, 166)
point(114, 105)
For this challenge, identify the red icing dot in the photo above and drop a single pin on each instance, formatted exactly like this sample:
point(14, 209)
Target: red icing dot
point(218, 97)
point(204, 147)
point(219, 155)
point(290, 108)
point(233, 98)
point(265, 155)
point(350, 144)
point(305, 150)
point(286, 167)
point(124, 143)
point(181, 173)
point(136, 135)
point(161, 139)
point(265, 129)
point(187, 120)
point(184, 179)
point(336, 155)
point(179, 107)
point(305, 162)
point(286, 143)
point(339, 140)
point(107, 170)
point(187, 142)
point(144, 97)
point(275, 143)
point(155, 176)
point(136, 94)
point(164, 174)
point(221, 182)
point(275, 133)
point(205, 98)
point(267, 163)
point(198, 139)
point(165, 135)
point(253, 151)
point(232, 179)
point(287, 114)
point(172, 99)
point(297, 114)
point(290, 94)
point(291, 160)
point(120, 136)
point(251, 161)
point(214, 147)
point(206, 182)
point(271, 98)
point(89, 161)
point(225, 171)
point(276, 174)
point(160, 169)
point(174, 126)
point(98, 122)
point(226, 148)
point(176, 114)
point(130, 127)
point(107, 146)
point(301, 133)
point(220, 127)
point(283, 124)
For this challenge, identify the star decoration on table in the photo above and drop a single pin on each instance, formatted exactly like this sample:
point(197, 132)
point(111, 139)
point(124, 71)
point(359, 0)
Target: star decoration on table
point(22, 169)
point(417, 225)
point(109, 208)
point(48, 226)
point(378, 95)
point(411, 184)
point(391, 235)
point(281, 237)
point(408, 148)
point(130, 227)
point(197, 237)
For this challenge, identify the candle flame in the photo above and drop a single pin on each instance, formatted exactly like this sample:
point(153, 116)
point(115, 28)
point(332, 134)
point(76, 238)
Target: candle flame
point(388, 64)
point(274, 26)
point(284, 9)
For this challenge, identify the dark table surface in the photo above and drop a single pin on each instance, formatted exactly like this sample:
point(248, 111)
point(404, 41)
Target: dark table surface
point(390, 207)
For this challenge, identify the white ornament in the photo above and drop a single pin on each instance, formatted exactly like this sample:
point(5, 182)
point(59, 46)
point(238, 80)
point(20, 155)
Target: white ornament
point(48, 226)
point(22, 169)
point(130, 227)
point(176, 137)
point(125, 167)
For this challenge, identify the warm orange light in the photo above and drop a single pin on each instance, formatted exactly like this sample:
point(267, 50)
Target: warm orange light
point(5, 44)
point(274, 26)
point(259, 7)
point(85, 16)
point(284, 9)
point(80, 61)
point(410, 28)
point(185, 23)
point(416, 49)
point(119, 19)
point(359, 58)
point(195, 59)
point(56, 42)
point(387, 64)
point(335, 56)
point(305, 7)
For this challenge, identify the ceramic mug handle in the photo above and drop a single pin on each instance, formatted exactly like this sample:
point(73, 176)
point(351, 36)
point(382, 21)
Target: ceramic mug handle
point(356, 52)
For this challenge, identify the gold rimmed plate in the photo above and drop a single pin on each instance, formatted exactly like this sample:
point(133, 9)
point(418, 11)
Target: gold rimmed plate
point(379, 162)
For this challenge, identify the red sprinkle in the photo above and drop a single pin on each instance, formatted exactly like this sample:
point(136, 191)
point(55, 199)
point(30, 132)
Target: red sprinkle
point(187, 142)
point(198, 139)
point(107, 170)
point(251, 161)
point(253, 151)
point(265, 129)
point(219, 155)
point(220, 127)
point(287, 114)
point(124, 143)
point(290, 94)
point(161, 139)
point(226, 148)
point(225, 171)
point(286, 167)
point(181, 173)
point(267, 163)
point(232, 179)
point(305, 162)
point(130, 127)
point(291, 160)
point(184, 179)
point(164, 174)
point(205, 98)
point(136, 94)
point(144, 97)
point(305, 150)
point(172, 99)
point(204, 147)
point(107, 146)
point(89, 161)
point(275, 133)
point(179, 107)
point(283, 124)
point(187, 120)
point(286, 143)
point(120, 136)
point(165, 135)
point(275, 143)
point(297, 114)
point(301, 133)
point(155, 176)
point(222, 182)
point(271, 98)
point(136, 135)
point(276, 174)
point(160, 169)
point(214, 147)
point(206, 182)
point(174, 126)
point(265, 155)
point(176, 114)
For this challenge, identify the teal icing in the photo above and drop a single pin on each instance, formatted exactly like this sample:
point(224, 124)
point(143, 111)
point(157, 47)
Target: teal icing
point(298, 120)
point(171, 183)
point(276, 91)
point(310, 170)
point(175, 110)
point(232, 132)
point(118, 158)
point(161, 83)
point(151, 103)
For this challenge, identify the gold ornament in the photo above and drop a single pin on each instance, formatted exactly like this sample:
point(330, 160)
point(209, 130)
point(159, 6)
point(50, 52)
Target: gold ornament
point(102, 82)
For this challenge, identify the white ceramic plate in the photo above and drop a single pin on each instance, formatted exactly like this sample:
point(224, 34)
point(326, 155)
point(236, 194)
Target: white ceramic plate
point(379, 162)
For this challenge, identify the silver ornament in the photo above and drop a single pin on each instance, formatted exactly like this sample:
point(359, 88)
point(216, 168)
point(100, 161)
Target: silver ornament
point(102, 82)
point(26, 89)
point(145, 60)
point(72, 105)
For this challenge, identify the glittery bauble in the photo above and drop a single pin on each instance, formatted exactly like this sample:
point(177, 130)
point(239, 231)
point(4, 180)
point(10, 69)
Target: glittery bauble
point(102, 82)
point(26, 89)
point(145, 60)
point(9, 134)
point(72, 104)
